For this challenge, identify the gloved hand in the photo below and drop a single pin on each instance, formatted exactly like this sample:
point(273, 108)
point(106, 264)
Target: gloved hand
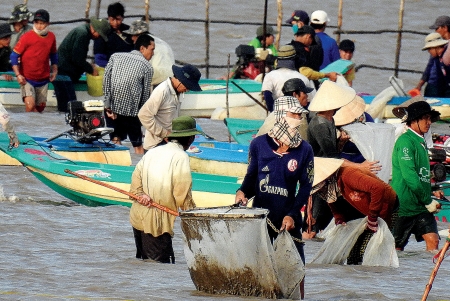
point(433, 207)
point(372, 223)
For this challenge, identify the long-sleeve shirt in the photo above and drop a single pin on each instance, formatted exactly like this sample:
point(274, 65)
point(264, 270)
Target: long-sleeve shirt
point(322, 137)
point(411, 173)
point(72, 53)
point(117, 42)
point(164, 174)
point(330, 49)
point(365, 192)
point(273, 178)
point(157, 113)
point(126, 82)
point(5, 63)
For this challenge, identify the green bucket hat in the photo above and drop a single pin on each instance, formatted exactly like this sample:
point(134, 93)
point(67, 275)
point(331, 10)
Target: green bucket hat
point(101, 26)
point(184, 126)
point(137, 27)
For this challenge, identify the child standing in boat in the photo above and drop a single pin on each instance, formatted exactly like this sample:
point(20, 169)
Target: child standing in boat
point(34, 49)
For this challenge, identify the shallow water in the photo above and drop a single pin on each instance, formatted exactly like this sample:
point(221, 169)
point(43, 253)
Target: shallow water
point(54, 249)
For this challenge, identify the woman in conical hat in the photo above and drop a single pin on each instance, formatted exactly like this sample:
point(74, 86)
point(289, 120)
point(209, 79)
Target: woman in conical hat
point(353, 193)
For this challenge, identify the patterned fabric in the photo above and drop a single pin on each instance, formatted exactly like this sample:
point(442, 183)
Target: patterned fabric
point(283, 104)
point(330, 190)
point(286, 134)
point(356, 254)
point(126, 82)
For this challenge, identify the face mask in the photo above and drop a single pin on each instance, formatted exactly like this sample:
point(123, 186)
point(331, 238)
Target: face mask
point(295, 28)
point(293, 122)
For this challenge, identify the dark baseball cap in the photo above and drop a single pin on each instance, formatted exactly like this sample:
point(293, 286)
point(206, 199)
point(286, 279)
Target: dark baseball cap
point(306, 29)
point(441, 21)
point(42, 15)
point(299, 15)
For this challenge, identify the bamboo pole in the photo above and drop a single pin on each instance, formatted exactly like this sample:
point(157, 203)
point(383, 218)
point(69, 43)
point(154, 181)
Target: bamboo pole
point(88, 8)
point(147, 9)
point(339, 24)
point(207, 37)
point(279, 21)
point(399, 36)
point(97, 8)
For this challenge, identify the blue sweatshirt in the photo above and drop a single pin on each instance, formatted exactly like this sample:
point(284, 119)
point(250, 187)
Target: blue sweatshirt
point(272, 178)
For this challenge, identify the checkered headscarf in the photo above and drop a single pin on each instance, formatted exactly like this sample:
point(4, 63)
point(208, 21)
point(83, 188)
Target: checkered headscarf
point(283, 104)
point(328, 189)
point(286, 134)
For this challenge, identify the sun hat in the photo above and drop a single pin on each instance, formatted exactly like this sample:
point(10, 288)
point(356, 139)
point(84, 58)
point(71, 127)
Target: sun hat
point(350, 112)
point(269, 31)
point(42, 15)
point(325, 167)
point(298, 110)
point(299, 15)
point(319, 17)
point(295, 84)
point(347, 45)
point(418, 109)
point(434, 39)
point(306, 29)
point(137, 27)
point(20, 13)
point(400, 110)
point(282, 104)
point(331, 96)
point(441, 21)
point(188, 75)
point(184, 126)
point(101, 26)
point(5, 30)
point(286, 52)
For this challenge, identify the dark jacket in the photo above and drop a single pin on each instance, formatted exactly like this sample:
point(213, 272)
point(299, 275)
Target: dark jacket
point(311, 58)
point(103, 50)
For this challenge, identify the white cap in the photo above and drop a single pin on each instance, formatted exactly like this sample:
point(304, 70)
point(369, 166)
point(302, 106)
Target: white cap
point(319, 17)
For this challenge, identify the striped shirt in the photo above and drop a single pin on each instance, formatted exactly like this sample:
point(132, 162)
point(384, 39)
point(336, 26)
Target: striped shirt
point(126, 83)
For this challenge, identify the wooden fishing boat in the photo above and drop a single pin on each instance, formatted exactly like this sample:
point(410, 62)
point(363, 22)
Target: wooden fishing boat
point(223, 158)
point(243, 130)
point(195, 104)
point(208, 190)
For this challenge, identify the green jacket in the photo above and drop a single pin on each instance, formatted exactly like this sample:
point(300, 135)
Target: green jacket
point(411, 174)
point(257, 44)
point(72, 53)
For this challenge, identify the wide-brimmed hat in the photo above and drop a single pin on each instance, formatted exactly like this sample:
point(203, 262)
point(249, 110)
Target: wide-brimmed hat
point(418, 109)
point(400, 110)
point(325, 167)
point(101, 26)
point(42, 15)
point(286, 52)
point(350, 112)
point(269, 30)
point(5, 30)
point(434, 39)
point(441, 21)
point(295, 84)
point(331, 96)
point(184, 126)
point(319, 17)
point(20, 13)
point(137, 27)
point(282, 104)
point(299, 15)
point(188, 75)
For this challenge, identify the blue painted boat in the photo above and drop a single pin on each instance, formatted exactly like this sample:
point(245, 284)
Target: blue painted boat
point(208, 190)
point(243, 130)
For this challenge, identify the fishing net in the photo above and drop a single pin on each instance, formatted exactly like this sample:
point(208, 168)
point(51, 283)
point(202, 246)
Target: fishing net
point(375, 141)
point(228, 251)
point(340, 239)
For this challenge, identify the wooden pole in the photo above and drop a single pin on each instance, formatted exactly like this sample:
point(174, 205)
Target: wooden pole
point(97, 8)
point(264, 39)
point(88, 8)
point(208, 21)
point(147, 9)
point(279, 21)
point(339, 24)
point(399, 36)
point(226, 95)
point(436, 268)
point(131, 195)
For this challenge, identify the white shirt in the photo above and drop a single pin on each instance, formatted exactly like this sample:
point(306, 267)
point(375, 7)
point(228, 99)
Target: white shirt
point(275, 79)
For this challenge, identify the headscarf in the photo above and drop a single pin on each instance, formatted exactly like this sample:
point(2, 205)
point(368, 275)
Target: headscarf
point(285, 130)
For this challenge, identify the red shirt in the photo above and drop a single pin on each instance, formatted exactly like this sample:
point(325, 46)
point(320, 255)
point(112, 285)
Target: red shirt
point(34, 51)
point(366, 192)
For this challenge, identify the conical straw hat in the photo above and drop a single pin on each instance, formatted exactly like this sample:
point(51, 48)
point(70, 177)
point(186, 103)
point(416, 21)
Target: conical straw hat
point(325, 167)
point(399, 111)
point(350, 112)
point(331, 96)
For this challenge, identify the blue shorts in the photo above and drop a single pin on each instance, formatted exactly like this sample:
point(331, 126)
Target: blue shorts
point(418, 225)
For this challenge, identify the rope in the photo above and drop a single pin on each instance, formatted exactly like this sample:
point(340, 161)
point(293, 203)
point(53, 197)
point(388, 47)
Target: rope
point(278, 231)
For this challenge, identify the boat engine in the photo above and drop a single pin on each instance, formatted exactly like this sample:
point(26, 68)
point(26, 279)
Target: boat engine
point(87, 120)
